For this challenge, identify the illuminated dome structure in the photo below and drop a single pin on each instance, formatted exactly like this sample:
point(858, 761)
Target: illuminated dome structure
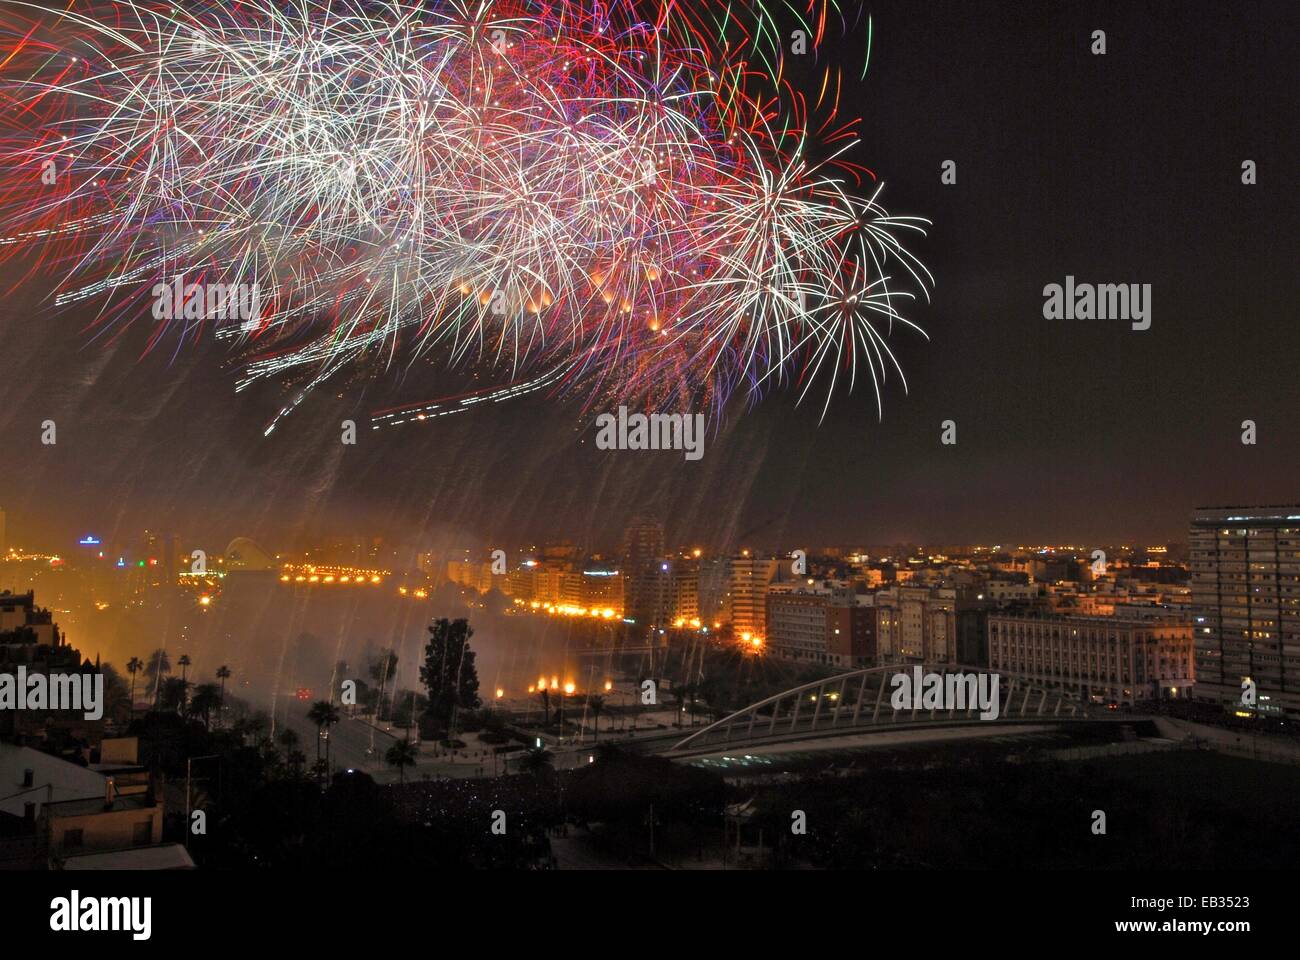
point(243, 554)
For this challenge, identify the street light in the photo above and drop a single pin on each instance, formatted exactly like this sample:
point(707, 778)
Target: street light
point(567, 689)
point(189, 761)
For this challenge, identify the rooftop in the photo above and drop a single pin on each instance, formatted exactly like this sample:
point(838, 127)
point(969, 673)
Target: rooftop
point(89, 805)
point(167, 856)
point(51, 776)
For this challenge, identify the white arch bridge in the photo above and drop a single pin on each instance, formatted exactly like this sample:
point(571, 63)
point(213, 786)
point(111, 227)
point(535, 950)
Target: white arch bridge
point(860, 701)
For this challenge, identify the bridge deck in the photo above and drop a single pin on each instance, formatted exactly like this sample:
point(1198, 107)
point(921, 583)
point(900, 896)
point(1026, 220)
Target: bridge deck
point(866, 699)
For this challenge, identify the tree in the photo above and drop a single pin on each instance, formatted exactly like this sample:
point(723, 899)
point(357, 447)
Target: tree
point(207, 697)
point(223, 674)
point(401, 754)
point(537, 761)
point(494, 724)
point(134, 666)
point(324, 714)
point(596, 703)
point(184, 663)
point(116, 698)
point(255, 724)
point(380, 671)
point(171, 697)
point(157, 667)
point(289, 739)
point(295, 760)
point(403, 706)
point(449, 673)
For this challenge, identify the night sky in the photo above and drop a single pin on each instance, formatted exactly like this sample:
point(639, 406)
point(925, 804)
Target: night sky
point(1123, 168)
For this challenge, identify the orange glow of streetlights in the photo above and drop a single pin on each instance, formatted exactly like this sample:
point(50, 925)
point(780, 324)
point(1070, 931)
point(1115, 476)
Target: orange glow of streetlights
point(569, 688)
point(500, 693)
point(609, 685)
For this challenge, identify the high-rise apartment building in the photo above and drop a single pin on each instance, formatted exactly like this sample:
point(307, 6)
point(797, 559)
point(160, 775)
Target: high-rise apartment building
point(1245, 564)
point(645, 573)
point(684, 589)
point(750, 577)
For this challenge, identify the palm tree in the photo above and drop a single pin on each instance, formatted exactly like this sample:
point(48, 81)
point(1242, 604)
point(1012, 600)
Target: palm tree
point(184, 663)
point(114, 687)
point(537, 761)
point(289, 739)
point(157, 666)
point(295, 761)
point(134, 666)
point(324, 714)
point(381, 671)
point(171, 695)
point(401, 754)
point(223, 674)
point(596, 704)
point(207, 697)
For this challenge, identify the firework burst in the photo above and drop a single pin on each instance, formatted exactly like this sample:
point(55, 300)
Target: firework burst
point(613, 201)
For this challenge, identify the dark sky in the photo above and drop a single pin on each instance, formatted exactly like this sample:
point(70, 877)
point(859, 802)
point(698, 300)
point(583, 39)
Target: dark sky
point(1123, 168)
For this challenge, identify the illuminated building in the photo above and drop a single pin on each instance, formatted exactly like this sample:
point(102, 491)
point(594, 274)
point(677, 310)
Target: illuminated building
point(646, 574)
point(522, 581)
point(600, 586)
point(916, 624)
point(30, 638)
point(1245, 564)
point(1101, 657)
point(750, 577)
point(243, 555)
point(24, 623)
point(684, 589)
point(824, 622)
